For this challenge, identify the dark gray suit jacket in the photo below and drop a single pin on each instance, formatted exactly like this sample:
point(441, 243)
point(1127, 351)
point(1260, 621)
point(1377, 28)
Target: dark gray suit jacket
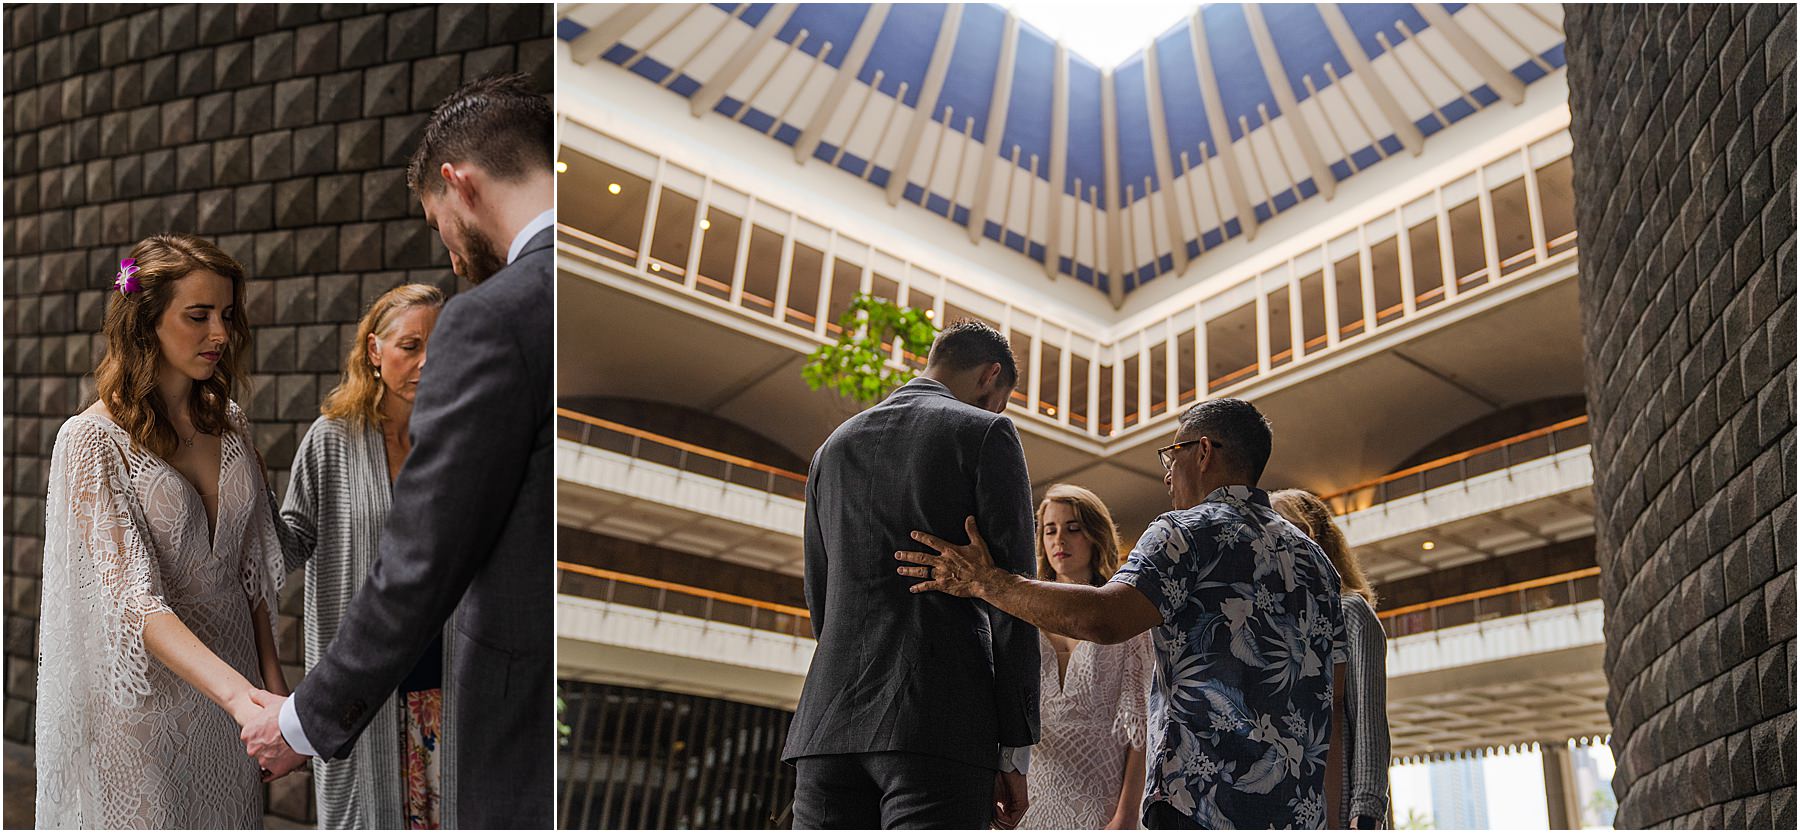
point(471, 533)
point(894, 671)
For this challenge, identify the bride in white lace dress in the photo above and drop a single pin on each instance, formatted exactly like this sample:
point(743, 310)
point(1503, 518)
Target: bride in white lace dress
point(160, 565)
point(1087, 770)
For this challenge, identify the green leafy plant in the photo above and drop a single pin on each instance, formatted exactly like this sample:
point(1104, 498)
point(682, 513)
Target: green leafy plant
point(563, 730)
point(855, 365)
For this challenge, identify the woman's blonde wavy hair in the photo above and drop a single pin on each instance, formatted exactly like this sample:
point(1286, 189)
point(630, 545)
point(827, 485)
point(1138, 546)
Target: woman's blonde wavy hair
point(126, 377)
point(1305, 510)
point(357, 397)
point(1096, 523)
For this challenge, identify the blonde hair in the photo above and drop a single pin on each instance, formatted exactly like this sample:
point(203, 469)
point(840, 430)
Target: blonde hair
point(1305, 510)
point(357, 398)
point(126, 377)
point(1096, 523)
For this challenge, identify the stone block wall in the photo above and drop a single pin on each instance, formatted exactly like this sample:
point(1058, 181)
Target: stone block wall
point(1683, 124)
point(280, 132)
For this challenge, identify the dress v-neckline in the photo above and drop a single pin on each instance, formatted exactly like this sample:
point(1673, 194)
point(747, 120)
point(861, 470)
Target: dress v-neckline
point(218, 515)
point(1062, 671)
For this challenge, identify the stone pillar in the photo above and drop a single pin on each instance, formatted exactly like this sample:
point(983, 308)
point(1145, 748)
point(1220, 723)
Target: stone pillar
point(1683, 127)
point(1561, 798)
point(278, 131)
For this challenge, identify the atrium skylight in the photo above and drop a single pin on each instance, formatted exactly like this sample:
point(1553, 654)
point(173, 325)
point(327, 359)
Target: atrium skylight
point(1105, 32)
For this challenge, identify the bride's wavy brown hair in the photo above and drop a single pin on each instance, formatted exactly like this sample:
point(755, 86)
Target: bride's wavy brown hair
point(126, 376)
point(357, 398)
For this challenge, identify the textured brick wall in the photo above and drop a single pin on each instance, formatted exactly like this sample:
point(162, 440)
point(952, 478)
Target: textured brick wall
point(279, 132)
point(1684, 181)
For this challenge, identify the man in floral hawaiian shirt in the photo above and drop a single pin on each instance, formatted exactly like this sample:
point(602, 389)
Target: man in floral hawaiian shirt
point(1245, 612)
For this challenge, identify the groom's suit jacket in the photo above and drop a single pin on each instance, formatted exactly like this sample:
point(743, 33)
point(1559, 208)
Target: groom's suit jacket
point(470, 532)
point(926, 673)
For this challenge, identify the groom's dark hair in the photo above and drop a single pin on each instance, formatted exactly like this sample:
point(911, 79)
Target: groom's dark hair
point(499, 123)
point(970, 343)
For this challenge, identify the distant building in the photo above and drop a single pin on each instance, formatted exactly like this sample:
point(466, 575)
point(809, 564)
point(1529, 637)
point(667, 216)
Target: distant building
point(1459, 794)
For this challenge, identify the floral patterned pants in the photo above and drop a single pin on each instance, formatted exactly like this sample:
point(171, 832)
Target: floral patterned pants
point(424, 715)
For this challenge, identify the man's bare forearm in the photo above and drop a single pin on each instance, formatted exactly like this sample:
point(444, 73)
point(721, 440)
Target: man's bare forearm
point(1090, 614)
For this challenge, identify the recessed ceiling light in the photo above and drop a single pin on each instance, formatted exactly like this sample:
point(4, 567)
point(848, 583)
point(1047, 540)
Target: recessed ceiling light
point(562, 167)
point(1428, 545)
point(613, 188)
point(656, 267)
point(705, 224)
point(1050, 412)
point(931, 313)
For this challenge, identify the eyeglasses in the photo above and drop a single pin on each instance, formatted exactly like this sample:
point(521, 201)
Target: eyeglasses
point(1166, 454)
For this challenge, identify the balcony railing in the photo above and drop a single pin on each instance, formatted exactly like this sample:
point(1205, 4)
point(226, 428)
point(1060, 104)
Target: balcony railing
point(700, 603)
point(1455, 468)
point(651, 447)
point(706, 605)
point(1510, 600)
point(645, 215)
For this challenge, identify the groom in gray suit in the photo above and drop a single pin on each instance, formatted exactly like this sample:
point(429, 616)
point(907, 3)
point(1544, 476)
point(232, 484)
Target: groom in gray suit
point(470, 529)
point(918, 710)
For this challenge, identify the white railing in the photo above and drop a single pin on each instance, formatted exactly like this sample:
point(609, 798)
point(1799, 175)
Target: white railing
point(1484, 226)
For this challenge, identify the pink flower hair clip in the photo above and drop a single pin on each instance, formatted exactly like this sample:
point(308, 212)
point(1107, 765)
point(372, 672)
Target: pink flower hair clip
point(126, 280)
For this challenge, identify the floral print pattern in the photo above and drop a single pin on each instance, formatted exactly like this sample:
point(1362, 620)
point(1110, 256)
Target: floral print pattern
point(1240, 709)
point(424, 717)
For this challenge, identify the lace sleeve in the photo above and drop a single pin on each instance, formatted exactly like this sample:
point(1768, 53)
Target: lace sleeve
point(105, 581)
point(1128, 724)
point(264, 537)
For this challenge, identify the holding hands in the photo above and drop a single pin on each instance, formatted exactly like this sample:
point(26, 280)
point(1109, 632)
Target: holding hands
point(261, 722)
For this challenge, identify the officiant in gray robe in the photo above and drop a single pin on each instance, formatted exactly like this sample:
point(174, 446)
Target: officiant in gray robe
point(337, 501)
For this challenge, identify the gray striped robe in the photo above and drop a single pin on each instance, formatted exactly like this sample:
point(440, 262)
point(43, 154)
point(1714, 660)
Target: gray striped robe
point(337, 502)
point(1367, 745)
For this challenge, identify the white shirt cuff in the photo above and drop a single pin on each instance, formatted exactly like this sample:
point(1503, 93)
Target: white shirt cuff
point(1015, 759)
point(291, 731)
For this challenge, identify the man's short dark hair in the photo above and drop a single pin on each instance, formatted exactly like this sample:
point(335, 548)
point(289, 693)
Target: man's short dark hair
point(1240, 431)
point(499, 123)
point(970, 343)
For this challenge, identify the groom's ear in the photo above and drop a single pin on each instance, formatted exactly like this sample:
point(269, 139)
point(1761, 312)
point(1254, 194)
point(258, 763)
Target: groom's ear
point(458, 180)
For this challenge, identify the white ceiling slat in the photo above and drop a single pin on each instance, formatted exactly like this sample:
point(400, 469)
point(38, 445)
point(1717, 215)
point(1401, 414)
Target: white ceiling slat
point(597, 39)
point(713, 91)
point(1165, 171)
point(1284, 98)
point(1109, 145)
point(1059, 161)
point(1502, 82)
point(656, 40)
point(1416, 80)
point(1221, 130)
point(780, 63)
point(933, 85)
point(808, 95)
point(1454, 77)
point(996, 130)
point(1353, 53)
point(847, 71)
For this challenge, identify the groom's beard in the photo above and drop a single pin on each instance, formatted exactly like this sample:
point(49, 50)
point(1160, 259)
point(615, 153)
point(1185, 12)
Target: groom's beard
point(479, 257)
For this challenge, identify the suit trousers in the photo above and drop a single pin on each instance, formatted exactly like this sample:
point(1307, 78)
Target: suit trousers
point(1163, 816)
point(891, 791)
